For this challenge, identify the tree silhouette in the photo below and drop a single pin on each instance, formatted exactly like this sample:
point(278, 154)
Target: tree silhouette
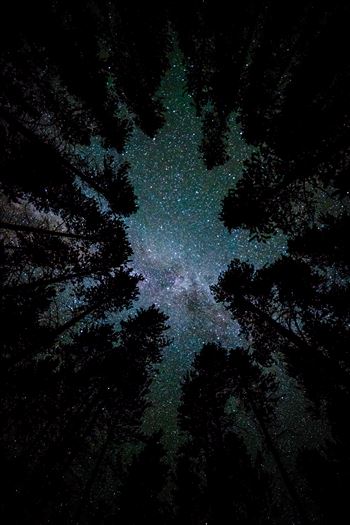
point(145, 478)
point(257, 390)
point(290, 301)
point(74, 386)
point(241, 292)
point(105, 56)
point(324, 244)
point(327, 472)
point(213, 147)
point(270, 196)
point(33, 156)
point(86, 407)
point(219, 482)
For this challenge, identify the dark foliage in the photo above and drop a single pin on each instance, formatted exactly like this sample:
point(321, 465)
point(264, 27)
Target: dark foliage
point(75, 371)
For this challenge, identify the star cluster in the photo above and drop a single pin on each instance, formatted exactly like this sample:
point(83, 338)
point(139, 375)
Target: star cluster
point(180, 245)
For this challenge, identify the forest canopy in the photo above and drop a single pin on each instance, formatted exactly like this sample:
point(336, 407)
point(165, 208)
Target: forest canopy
point(175, 278)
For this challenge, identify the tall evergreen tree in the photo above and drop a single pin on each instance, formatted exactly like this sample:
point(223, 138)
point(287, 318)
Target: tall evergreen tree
point(216, 479)
point(82, 408)
point(145, 478)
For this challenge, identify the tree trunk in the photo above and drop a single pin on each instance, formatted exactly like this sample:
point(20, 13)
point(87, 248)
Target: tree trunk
point(74, 320)
point(94, 474)
point(44, 231)
point(55, 334)
point(56, 461)
point(30, 135)
point(43, 283)
point(335, 370)
point(215, 463)
point(282, 330)
point(277, 458)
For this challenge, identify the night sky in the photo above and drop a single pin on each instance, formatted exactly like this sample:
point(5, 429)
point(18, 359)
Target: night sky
point(131, 392)
point(180, 245)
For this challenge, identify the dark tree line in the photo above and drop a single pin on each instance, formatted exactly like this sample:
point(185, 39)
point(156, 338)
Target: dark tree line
point(91, 67)
point(284, 71)
point(74, 382)
point(292, 106)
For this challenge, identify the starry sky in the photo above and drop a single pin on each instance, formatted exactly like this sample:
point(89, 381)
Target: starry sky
point(180, 245)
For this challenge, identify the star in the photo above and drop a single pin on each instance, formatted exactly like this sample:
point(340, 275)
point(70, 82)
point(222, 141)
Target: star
point(176, 233)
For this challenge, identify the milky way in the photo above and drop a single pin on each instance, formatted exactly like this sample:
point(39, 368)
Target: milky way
point(180, 246)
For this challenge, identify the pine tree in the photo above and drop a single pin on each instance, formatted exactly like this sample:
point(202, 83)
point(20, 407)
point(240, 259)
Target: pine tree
point(82, 408)
point(221, 478)
point(144, 480)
